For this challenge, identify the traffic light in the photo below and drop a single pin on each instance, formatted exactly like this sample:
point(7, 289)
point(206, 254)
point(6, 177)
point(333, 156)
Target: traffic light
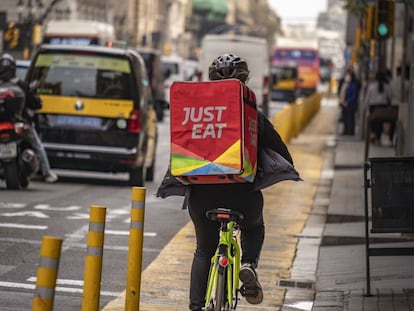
point(384, 21)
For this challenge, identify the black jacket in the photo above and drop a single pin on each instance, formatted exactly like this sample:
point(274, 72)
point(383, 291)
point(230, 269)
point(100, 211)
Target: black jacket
point(275, 164)
point(32, 101)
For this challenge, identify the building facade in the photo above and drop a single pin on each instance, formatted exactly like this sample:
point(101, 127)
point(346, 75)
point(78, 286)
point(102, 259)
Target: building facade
point(173, 26)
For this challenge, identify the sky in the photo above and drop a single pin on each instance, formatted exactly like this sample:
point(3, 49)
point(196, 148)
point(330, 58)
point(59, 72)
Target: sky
point(298, 11)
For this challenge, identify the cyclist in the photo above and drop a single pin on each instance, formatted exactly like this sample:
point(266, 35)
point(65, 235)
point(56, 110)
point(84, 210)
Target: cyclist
point(33, 102)
point(244, 197)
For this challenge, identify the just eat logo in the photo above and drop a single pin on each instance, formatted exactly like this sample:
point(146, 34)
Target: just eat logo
point(207, 122)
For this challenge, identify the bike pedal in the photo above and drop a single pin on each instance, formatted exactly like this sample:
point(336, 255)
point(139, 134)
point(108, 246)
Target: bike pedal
point(244, 291)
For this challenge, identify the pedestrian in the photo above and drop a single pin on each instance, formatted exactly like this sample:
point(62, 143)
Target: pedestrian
point(378, 96)
point(32, 103)
point(341, 92)
point(348, 100)
point(244, 197)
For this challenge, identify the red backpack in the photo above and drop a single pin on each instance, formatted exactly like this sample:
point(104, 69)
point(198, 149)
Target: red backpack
point(214, 132)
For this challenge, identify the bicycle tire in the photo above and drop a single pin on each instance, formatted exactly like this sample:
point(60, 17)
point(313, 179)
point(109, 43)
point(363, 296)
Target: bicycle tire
point(220, 289)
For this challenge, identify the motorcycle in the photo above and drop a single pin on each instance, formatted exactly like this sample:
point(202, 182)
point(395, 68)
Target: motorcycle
point(18, 160)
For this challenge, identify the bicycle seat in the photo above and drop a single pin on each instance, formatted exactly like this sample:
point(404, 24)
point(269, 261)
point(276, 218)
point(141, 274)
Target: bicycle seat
point(224, 214)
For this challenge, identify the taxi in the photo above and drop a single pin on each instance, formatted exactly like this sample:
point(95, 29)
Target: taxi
point(97, 110)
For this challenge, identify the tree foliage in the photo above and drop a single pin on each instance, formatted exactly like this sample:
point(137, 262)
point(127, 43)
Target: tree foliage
point(356, 7)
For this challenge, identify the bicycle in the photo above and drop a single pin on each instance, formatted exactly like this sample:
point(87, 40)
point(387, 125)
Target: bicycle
point(223, 281)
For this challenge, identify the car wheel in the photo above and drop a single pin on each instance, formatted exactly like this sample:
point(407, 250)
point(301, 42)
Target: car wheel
point(136, 177)
point(24, 181)
point(11, 175)
point(159, 110)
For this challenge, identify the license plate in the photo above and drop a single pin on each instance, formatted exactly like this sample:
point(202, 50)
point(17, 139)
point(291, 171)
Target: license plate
point(8, 150)
point(90, 122)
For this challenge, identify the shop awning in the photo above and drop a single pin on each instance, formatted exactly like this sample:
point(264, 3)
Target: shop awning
point(216, 7)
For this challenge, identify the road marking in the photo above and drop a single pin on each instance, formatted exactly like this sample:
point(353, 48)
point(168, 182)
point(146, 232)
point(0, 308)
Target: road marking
point(79, 245)
point(57, 288)
point(78, 216)
point(33, 279)
point(11, 205)
point(124, 232)
point(55, 208)
point(22, 226)
point(25, 213)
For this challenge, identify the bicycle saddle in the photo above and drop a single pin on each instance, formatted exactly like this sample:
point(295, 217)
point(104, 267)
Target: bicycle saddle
point(224, 214)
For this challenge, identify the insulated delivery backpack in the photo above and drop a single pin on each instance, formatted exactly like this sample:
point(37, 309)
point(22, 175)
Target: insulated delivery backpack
point(214, 131)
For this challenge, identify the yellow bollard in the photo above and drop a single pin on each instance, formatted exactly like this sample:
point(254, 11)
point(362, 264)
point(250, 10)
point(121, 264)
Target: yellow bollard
point(47, 274)
point(136, 235)
point(93, 260)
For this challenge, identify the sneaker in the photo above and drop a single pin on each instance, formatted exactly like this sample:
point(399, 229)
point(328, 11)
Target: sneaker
point(251, 288)
point(50, 177)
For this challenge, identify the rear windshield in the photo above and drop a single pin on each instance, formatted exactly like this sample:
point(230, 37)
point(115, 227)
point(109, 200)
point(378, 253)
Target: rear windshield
point(285, 72)
point(83, 76)
point(296, 54)
point(171, 68)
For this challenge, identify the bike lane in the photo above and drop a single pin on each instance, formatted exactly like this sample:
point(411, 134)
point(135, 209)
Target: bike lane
point(165, 282)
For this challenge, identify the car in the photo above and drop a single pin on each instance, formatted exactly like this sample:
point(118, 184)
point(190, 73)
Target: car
point(97, 109)
point(252, 49)
point(173, 70)
point(152, 59)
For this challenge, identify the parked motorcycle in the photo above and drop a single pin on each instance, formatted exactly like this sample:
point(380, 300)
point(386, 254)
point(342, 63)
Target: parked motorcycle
point(18, 160)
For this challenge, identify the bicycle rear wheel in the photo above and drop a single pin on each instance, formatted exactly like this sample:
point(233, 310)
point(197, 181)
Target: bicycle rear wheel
point(221, 290)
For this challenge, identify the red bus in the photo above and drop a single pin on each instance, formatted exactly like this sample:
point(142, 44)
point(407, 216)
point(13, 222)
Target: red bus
point(307, 62)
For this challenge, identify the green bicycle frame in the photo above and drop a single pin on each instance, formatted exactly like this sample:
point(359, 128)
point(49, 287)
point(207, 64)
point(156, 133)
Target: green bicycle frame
point(228, 240)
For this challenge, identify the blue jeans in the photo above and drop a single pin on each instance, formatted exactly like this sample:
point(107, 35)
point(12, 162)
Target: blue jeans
point(40, 151)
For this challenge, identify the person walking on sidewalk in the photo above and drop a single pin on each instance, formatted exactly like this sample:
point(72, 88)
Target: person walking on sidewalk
point(377, 96)
point(348, 99)
point(274, 160)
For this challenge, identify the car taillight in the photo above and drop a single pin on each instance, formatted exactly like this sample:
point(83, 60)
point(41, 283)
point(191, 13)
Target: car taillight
point(134, 121)
point(199, 75)
point(4, 126)
point(6, 93)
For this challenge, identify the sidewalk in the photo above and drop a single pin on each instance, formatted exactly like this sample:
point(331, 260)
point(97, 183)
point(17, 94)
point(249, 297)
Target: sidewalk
point(341, 270)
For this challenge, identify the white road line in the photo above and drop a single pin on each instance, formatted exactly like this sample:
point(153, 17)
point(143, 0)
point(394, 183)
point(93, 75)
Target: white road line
point(79, 245)
point(25, 213)
point(12, 205)
point(22, 226)
point(57, 288)
point(33, 279)
point(124, 232)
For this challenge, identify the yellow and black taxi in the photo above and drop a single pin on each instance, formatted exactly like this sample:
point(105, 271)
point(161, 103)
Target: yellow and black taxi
point(97, 110)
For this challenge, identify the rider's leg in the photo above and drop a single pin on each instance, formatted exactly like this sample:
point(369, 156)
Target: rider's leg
point(207, 239)
point(252, 228)
point(252, 237)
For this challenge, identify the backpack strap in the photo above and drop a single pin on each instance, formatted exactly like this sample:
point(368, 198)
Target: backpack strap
point(248, 96)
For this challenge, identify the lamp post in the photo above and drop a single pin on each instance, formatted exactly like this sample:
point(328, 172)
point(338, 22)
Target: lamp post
point(28, 20)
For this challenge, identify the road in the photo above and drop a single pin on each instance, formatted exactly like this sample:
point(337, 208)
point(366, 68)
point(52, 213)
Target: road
point(62, 210)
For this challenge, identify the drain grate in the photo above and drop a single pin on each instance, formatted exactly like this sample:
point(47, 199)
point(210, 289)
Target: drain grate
point(304, 284)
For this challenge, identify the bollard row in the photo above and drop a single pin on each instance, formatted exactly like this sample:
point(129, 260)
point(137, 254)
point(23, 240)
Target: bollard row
point(50, 252)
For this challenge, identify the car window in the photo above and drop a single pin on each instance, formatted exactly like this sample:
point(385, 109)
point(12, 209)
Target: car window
point(83, 76)
point(172, 68)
